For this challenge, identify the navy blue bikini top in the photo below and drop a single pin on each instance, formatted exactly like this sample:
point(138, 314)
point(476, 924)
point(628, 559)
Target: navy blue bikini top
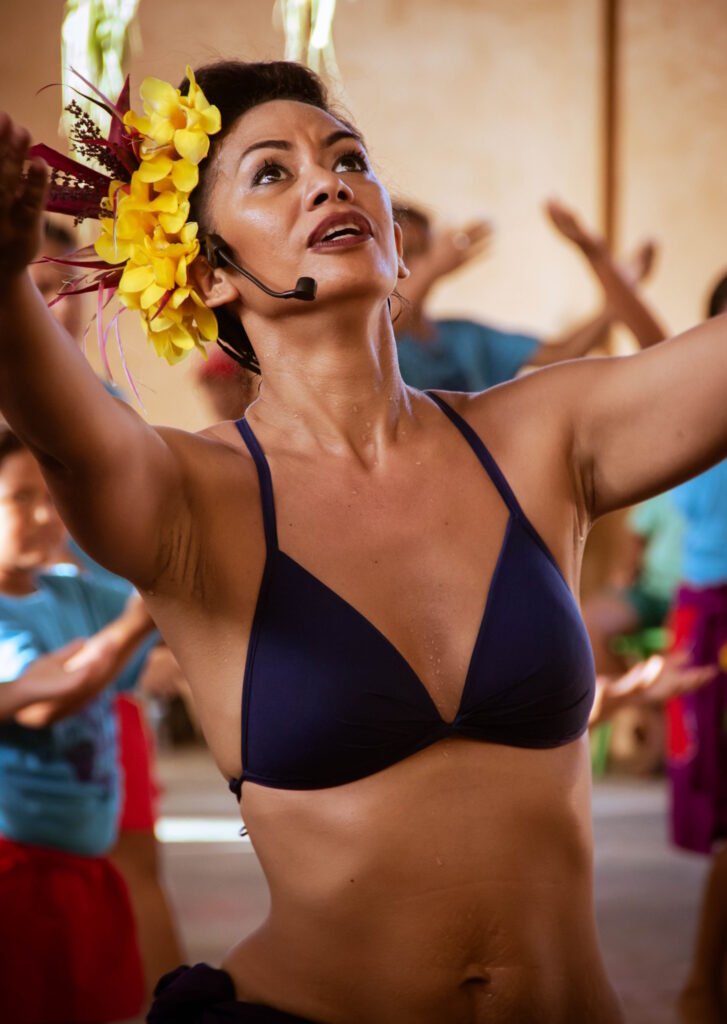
point(327, 699)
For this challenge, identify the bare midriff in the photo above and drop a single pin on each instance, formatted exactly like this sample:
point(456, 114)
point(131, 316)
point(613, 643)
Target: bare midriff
point(451, 888)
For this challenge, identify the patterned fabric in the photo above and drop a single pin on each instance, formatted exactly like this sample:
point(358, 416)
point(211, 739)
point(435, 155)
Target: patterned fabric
point(697, 724)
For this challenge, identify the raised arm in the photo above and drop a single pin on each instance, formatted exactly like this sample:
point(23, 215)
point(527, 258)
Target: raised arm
point(119, 484)
point(619, 283)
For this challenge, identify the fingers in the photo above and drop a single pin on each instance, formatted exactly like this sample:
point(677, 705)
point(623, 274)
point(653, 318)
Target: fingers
point(32, 199)
point(479, 231)
point(692, 678)
point(14, 142)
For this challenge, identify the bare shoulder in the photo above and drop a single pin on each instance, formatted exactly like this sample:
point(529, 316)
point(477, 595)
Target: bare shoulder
point(221, 494)
point(527, 425)
point(205, 453)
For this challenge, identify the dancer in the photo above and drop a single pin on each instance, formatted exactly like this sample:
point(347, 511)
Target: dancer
point(229, 387)
point(392, 572)
point(463, 355)
point(697, 734)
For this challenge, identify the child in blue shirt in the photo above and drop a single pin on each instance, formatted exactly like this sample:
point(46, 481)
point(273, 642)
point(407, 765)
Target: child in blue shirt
point(66, 931)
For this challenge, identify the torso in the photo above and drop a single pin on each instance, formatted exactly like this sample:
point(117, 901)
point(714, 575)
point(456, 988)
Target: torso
point(454, 884)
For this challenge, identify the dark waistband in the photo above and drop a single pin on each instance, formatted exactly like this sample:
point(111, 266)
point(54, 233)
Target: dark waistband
point(205, 995)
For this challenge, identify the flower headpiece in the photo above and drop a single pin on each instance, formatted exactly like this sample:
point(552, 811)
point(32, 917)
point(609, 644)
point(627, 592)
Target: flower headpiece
point(147, 241)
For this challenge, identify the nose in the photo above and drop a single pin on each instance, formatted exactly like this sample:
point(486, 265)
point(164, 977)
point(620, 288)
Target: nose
point(325, 186)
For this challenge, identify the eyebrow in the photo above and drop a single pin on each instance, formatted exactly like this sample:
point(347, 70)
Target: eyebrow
point(330, 140)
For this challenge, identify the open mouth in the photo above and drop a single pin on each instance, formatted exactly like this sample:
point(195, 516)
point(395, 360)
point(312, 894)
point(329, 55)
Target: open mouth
point(340, 230)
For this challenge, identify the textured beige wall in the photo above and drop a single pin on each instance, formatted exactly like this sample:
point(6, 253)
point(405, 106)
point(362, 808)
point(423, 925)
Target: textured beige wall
point(469, 107)
point(673, 163)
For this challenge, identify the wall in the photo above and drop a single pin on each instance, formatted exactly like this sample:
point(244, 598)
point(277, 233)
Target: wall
point(470, 108)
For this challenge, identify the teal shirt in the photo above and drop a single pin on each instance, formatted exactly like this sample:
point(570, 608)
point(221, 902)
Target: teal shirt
point(464, 356)
point(703, 504)
point(660, 524)
point(60, 785)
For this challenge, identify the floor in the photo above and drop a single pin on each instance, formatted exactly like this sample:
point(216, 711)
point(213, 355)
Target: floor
point(646, 893)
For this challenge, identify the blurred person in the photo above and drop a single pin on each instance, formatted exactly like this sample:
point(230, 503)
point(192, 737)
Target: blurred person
point(136, 853)
point(643, 580)
point(67, 936)
point(229, 387)
point(696, 721)
point(279, 558)
point(637, 596)
point(650, 683)
point(460, 354)
point(697, 733)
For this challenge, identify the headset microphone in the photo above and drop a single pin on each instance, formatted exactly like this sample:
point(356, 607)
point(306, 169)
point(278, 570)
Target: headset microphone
point(217, 252)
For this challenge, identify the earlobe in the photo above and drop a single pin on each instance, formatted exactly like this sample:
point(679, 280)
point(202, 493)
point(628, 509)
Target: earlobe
point(402, 270)
point(212, 283)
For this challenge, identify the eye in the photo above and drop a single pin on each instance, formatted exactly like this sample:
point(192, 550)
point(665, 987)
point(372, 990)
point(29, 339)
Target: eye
point(269, 173)
point(353, 160)
point(25, 497)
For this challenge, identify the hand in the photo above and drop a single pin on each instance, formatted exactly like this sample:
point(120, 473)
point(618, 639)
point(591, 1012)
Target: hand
point(50, 676)
point(22, 200)
point(567, 224)
point(639, 265)
point(659, 679)
point(451, 248)
point(97, 657)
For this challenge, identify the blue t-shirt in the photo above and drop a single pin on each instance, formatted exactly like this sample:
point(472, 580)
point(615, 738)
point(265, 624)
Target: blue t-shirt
point(59, 785)
point(463, 356)
point(703, 504)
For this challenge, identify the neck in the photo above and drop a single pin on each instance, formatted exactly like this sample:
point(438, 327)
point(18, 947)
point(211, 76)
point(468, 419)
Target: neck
point(332, 380)
point(17, 582)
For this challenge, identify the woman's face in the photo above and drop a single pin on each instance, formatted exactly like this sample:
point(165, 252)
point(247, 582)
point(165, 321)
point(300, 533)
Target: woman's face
point(293, 195)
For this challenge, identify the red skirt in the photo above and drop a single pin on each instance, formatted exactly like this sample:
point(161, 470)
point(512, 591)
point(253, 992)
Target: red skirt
point(136, 755)
point(68, 950)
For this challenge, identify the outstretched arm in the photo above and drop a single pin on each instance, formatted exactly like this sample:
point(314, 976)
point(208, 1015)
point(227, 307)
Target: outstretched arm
point(618, 284)
point(49, 678)
point(575, 343)
point(633, 426)
point(116, 480)
point(579, 341)
point(650, 683)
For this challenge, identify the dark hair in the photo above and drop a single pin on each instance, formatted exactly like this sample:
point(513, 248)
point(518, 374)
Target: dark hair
point(406, 213)
point(10, 443)
point(59, 234)
point(718, 298)
point(236, 87)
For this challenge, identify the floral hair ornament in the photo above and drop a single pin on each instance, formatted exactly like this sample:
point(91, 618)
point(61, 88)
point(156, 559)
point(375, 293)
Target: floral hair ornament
point(141, 198)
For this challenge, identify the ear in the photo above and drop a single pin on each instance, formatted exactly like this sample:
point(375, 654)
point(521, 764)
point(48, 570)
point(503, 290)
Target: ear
point(403, 271)
point(213, 284)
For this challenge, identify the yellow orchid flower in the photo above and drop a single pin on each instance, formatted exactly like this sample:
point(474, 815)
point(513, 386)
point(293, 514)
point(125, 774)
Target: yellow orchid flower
point(147, 226)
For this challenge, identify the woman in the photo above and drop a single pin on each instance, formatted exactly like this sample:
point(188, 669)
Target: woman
point(417, 677)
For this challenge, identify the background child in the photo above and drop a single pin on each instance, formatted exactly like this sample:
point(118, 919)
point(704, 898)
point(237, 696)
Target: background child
point(68, 948)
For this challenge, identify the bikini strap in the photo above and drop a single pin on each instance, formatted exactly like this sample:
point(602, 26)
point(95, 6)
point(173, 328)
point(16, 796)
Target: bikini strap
point(482, 452)
point(266, 483)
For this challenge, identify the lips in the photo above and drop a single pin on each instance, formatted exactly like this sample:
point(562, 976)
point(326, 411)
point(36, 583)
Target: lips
point(340, 229)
